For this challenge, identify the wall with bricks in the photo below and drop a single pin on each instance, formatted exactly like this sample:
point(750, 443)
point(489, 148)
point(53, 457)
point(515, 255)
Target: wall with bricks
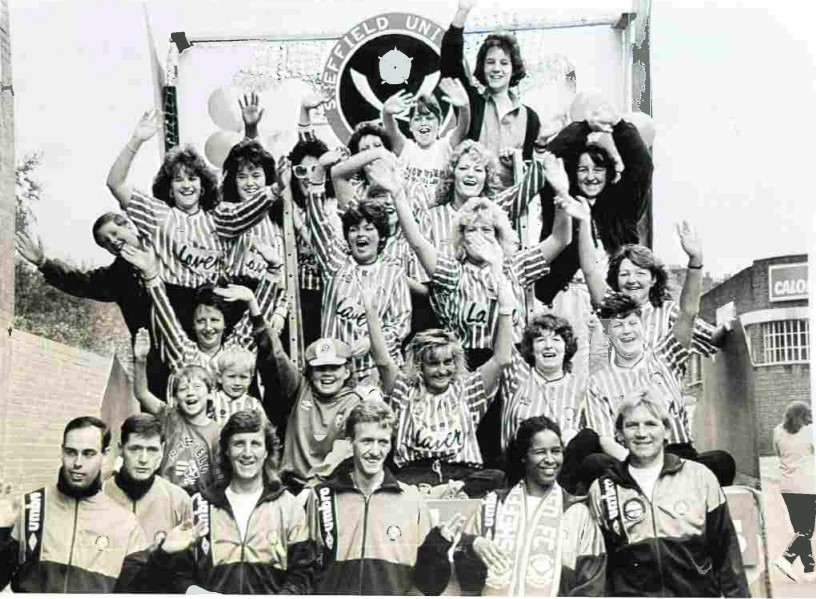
point(50, 384)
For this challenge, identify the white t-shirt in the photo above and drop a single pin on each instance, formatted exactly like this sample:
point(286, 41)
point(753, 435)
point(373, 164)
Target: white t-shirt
point(796, 460)
point(647, 477)
point(532, 505)
point(242, 505)
point(426, 165)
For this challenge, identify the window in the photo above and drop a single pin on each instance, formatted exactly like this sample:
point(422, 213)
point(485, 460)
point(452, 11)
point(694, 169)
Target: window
point(784, 341)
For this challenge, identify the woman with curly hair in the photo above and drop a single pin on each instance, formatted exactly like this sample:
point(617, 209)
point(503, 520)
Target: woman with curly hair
point(183, 219)
point(539, 379)
point(247, 512)
point(438, 402)
point(357, 255)
point(498, 118)
point(793, 443)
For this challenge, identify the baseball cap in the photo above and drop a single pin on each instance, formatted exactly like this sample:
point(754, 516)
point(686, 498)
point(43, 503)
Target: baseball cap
point(327, 351)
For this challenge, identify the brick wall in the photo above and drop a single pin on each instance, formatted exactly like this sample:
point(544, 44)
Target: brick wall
point(50, 384)
point(7, 221)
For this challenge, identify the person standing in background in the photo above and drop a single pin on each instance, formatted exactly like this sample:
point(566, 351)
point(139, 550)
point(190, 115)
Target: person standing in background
point(793, 443)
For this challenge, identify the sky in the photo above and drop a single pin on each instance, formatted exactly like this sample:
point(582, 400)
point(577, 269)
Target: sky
point(732, 84)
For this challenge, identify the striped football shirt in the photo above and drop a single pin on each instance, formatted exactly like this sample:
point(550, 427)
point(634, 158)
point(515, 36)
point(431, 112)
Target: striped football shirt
point(343, 315)
point(526, 394)
point(465, 295)
point(439, 427)
point(222, 406)
point(191, 248)
point(657, 369)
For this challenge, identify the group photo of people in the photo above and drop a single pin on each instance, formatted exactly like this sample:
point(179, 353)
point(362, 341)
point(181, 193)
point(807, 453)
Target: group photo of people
point(458, 303)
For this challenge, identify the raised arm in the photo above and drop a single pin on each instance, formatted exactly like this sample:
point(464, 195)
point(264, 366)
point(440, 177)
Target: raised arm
point(693, 286)
point(353, 164)
point(456, 95)
point(503, 340)
point(118, 174)
point(330, 251)
point(452, 57)
point(565, 208)
point(388, 369)
point(399, 103)
point(385, 174)
point(286, 377)
point(251, 114)
point(309, 102)
point(141, 348)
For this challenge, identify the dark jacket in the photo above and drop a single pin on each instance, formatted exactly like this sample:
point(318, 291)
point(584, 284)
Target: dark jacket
point(452, 64)
point(378, 545)
point(275, 558)
point(617, 210)
point(682, 543)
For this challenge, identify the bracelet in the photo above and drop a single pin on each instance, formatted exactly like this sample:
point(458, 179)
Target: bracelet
point(505, 311)
point(695, 267)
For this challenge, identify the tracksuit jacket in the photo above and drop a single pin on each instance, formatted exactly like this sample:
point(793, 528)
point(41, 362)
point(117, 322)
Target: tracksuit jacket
point(275, 558)
point(376, 545)
point(680, 542)
point(61, 544)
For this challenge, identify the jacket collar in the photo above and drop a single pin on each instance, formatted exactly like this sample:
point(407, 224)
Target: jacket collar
point(620, 472)
point(217, 494)
point(341, 480)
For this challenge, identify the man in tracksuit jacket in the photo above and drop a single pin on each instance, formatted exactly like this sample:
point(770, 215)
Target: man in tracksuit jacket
point(372, 530)
point(248, 534)
point(71, 537)
point(665, 520)
point(158, 504)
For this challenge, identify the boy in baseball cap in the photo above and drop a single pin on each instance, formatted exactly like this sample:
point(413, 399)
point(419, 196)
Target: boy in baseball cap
point(312, 407)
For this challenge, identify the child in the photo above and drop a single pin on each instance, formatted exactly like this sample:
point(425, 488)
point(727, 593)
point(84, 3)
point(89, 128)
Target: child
point(425, 155)
point(191, 438)
point(235, 367)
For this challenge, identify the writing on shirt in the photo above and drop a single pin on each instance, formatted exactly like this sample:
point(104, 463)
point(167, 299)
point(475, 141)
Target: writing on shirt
point(202, 260)
point(438, 441)
point(477, 313)
point(190, 460)
point(427, 176)
point(350, 309)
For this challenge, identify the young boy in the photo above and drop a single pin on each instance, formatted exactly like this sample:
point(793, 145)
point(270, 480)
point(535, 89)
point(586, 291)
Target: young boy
point(426, 155)
point(235, 367)
point(191, 437)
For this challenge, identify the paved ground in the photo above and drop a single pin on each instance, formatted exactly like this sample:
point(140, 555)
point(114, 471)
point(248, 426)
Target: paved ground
point(780, 533)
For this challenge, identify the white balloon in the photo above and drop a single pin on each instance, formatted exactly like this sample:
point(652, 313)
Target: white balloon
point(223, 108)
point(645, 125)
point(219, 144)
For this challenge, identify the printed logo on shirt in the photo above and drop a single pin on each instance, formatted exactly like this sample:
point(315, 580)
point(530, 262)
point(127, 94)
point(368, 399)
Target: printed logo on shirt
point(375, 59)
point(203, 261)
point(393, 533)
point(34, 519)
point(102, 542)
point(327, 520)
point(610, 505)
point(681, 508)
point(201, 513)
point(634, 510)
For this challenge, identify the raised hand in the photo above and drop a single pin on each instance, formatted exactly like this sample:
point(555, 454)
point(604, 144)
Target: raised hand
point(383, 172)
point(506, 156)
point(268, 253)
point(399, 103)
point(251, 113)
point(455, 93)
point(466, 4)
point(234, 293)
point(690, 242)
point(555, 173)
point(603, 118)
point(183, 535)
point(9, 505)
point(148, 125)
point(313, 99)
point(449, 490)
point(452, 527)
point(492, 557)
point(30, 248)
point(284, 172)
point(141, 345)
point(143, 259)
point(577, 208)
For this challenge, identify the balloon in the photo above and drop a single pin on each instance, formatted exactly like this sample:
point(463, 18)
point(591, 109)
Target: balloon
point(219, 144)
point(584, 103)
point(645, 125)
point(222, 106)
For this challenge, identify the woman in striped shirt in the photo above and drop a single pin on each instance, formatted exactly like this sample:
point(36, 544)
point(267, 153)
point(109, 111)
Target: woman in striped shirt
point(539, 379)
point(438, 403)
point(358, 257)
point(183, 220)
point(464, 286)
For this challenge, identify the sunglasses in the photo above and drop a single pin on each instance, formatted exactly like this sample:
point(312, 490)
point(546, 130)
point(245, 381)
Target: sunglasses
point(301, 172)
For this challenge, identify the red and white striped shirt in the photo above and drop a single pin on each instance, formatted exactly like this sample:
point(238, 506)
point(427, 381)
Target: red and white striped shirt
point(465, 295)
point(657, 369)
point(439, 427)
point(191, 248)
point(526, 394)
point(222, 406)
point(243, 260)
point(658, 322)
point(343, 315)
